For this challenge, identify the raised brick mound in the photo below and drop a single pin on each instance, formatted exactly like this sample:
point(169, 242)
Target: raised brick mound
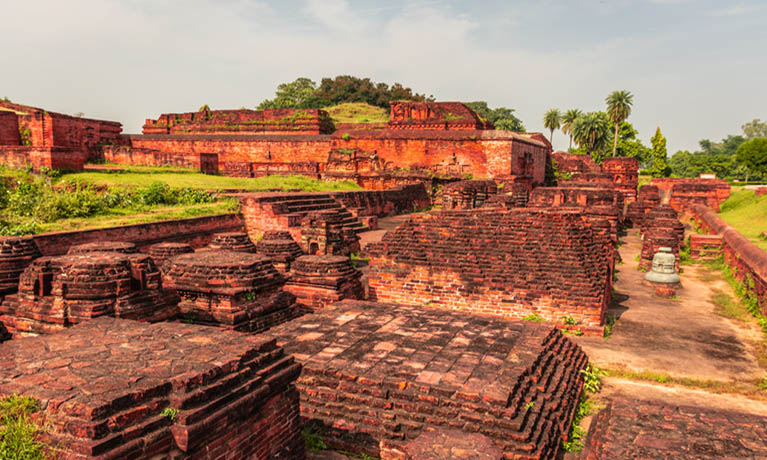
point(467, 194)
point(324, 232)
point(543, 261)
point(280, 247)
point(634, 429)
point(16, 253)
point(161, 252)
point(625, 172)
point(647, 199)
point(660, 228)
point(377, 375)
point(58, 292)
point(123, 247)
point(317, 281)
point(233, 290)
point(106, 383)
point(232, 241)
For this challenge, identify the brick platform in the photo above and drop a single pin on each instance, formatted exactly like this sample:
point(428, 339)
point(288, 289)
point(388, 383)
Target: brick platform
point(317, 281)
point(447, 444)
point(233, 290)
point(513, 264)
point(16, 253)
point(161, 252)
point(104, 385)
point(232, 241)
point(633, 429)
point(280, 247)
point(379, 374)
point(58, 292)
point(123, 247)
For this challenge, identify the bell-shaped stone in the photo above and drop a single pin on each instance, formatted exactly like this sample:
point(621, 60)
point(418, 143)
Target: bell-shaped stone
point(663, 267)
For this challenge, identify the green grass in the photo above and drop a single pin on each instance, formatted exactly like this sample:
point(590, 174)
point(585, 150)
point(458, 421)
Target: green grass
point(357, 112)
point(727, 306)
point(18, 431)
point(747, 213)
point(142, 177)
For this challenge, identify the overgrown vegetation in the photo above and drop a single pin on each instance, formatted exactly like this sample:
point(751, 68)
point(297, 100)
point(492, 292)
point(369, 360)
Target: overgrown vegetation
point(357, 112)
point(592, 383)
point(747, 212)
point(533, 317)
point(19, 431)
point(313, 438)
point(609, 323)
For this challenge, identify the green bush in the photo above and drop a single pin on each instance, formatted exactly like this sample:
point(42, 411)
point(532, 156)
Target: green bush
point(18, 432)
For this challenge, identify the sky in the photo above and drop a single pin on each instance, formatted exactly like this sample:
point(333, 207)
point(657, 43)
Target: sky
point(697, 68)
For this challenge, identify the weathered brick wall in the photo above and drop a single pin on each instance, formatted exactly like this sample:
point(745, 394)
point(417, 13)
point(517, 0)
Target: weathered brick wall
point(376, 376)
point(196, 231)
point(232, 393)
point(382, 203)
point(705, 246)
point(16, 253)
point(467, 194)
point(574, 163)
point(301, 121)
point(684, 192)
point(647, 199)
point(660, 228)
point(747, 261)
point(60, 158)
point(317, 281)
point(507, 264)
point(625, 171)
point(9, 128)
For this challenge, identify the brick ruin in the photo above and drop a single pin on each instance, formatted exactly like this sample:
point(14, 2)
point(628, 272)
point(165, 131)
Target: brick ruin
point(467, 194)
point(647, 199)
point(328, 232)
point(660, 228)
point(683, 192)
point(243, 121)
point(629, 428)
point(376, 376)
point(625, 172)
point(16, 253)
point(108, 384)
point(57, 292)
point(705, 246)
point(232, 241)
point(280, 248)
point(162, 252)
point(318, 281)
point(37, 137)
point(233, 290)
point(545, 262)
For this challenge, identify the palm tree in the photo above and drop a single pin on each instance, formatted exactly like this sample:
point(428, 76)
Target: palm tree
point(618, 109)
point(591, 131)
point(567, 123)
point(552, 121)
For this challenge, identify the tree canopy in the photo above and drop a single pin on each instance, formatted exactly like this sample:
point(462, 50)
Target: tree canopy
point(568, 119)
point(552, 120)
point(659, 166)
point(753, 155)
point(618, 110)
point(592, 132)
point(755, 128)
point(501, 117)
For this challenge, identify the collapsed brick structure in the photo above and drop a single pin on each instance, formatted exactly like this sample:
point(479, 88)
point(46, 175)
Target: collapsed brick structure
point(58, 292)
point(232, 241)
point(660, 228)
point(683, 192)
point(376, 376)
point(512, 264)
point(123, 247)
point(468, 194)
point(647, 199)
point(570, 163)
point(108, 388)
point(705, 246)
point(317, 281)
point(326, 232)
point(629, 428)
point(516, 196)
point(232, 290)
point(16, 253)
point(162, 252)
point(280, 248)
point(625, 172)
point(37, 137)
point(434, 137)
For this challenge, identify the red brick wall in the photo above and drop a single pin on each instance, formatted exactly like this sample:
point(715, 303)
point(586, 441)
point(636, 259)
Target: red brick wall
point(304, 121)
point(50, 157)
point(196, 231)
point(9, 129)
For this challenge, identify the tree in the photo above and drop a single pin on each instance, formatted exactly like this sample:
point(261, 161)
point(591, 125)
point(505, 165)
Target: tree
point(298, 94)
point(552, 120)
point(567, 124)
point(591, 132)
point(660, 166)
point(629, 145)
point(753, 154)
point(618, 109)
point(501, 117)
point(755, 128)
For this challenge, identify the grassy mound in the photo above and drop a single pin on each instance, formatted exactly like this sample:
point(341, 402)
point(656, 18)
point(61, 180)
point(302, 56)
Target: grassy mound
point(357, 112)
point(747, 213)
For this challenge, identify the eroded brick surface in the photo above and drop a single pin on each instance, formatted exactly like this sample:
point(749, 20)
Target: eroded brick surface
point(660, 228)
point(280, 248)
point(467, 194)
point(447, 444)
point(633, 429)
point(232, 241)
point(162, 252)
point(104, 384)
point(16, 253)
point(379, 374)
point(317, 281)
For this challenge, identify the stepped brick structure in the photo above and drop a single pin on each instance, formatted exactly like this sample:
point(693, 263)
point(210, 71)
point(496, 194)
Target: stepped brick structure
point(58, 292)
point(575, 194)
point(546, 262)
point(382, 203)
point(434, 137)
point(325, 232)
point(571, 163)
point(467, 194)
point(16, 253)
point(162, 252)
point(516, 196)
point(647, 199)
point(232, 241)
point(280, 248)
point(705, 246)
point(317, 281)
point(37, 137)
point(243, 121)
point(653, 430)
point(664, 217)
point(625, 171)
point(377, 376)
point(684, 192)
point(108, 388)
point(232, 290)
point(123, 247)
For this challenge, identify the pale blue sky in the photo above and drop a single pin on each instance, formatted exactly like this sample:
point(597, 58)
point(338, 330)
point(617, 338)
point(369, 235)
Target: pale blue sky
point(697, 68)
